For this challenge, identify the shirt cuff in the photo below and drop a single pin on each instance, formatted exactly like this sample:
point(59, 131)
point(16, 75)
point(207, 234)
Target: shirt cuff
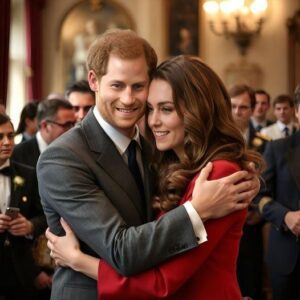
point(197, 223)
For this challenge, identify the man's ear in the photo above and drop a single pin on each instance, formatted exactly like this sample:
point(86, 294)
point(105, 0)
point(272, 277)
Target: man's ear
point(43, 125)
point(93, 81)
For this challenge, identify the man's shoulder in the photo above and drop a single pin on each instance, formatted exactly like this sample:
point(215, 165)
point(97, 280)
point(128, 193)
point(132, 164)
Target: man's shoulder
point(29, 144)
point(71, 141)
point(22, 168)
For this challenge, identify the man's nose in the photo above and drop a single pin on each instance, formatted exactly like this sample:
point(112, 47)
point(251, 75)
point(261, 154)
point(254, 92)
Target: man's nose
point(80, 114)
point(127, 96)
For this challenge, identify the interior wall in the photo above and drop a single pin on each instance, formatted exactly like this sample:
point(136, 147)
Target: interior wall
point(269, 50)
point(148, 16)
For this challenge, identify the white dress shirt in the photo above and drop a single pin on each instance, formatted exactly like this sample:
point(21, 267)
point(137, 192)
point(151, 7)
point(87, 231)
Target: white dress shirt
point(4, 188)
point(276, 130)
point(41, 142)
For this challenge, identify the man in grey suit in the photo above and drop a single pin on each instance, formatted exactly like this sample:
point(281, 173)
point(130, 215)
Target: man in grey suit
point(84, 175)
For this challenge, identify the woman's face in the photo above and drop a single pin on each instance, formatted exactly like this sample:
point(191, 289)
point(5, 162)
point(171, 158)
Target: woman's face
point(163, 119)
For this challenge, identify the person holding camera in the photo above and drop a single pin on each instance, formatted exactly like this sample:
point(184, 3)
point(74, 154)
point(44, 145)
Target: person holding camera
point(21, 219)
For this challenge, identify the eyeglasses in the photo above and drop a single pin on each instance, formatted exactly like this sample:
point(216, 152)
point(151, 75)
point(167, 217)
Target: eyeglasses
point(86, 108)
point(66, 125)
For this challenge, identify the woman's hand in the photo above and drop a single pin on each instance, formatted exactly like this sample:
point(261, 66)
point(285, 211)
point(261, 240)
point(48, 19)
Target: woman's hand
point(65, 250)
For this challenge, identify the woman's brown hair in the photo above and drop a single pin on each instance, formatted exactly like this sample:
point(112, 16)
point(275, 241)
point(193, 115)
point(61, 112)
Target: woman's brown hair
point(202, 101)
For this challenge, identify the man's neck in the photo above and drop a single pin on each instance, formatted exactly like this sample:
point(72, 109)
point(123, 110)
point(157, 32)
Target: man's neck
point(4, 163)
point(259, 119)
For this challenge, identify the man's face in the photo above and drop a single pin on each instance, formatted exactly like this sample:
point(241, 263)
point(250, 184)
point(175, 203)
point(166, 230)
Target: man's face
point(64, 120)
point(261, 106)
point(81, 103)
point(241, 110)
point(7, 135)
point(122, 92)
point(283, 112)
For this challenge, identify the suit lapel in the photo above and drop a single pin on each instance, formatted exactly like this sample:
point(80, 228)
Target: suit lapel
point(110, 160)
point(15, 191)
point(293, 156)
point(148, 178)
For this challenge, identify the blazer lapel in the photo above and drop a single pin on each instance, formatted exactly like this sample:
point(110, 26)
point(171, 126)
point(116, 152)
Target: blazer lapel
point(110, 160)
point(15, 191)
point(293, 156)
point(148, 178)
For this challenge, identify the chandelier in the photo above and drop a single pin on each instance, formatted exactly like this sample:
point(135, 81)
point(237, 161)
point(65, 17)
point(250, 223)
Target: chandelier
point(240, 20)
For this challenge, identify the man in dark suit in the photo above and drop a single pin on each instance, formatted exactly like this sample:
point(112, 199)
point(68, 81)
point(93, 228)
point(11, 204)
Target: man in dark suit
point(279, 202)
point(84, 176)
point(54, 117)
point(250, 259)
point(18, 185)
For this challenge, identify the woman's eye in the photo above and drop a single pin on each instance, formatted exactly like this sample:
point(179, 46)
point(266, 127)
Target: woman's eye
point(167, 109)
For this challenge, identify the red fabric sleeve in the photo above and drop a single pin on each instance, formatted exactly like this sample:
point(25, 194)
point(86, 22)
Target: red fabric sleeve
point(166, 279)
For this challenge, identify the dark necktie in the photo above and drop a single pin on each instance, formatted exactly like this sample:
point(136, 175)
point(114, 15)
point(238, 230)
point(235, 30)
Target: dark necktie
point(286, 131)
point(5, 171)
point(134, 168)
point(258, 128)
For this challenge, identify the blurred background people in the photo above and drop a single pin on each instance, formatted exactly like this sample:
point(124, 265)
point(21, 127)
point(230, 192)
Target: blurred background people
point(81, 97)
point(54, 117)
point(250, 259)
point(19, 190)
point(283, 109)
point(279, 204)
point(262, 104)
point(27, 127)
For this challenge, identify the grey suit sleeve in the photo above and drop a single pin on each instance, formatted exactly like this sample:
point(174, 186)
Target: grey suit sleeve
point(69, 189)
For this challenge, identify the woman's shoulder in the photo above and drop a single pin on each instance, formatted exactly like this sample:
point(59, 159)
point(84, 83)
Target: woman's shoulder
point(222, 168)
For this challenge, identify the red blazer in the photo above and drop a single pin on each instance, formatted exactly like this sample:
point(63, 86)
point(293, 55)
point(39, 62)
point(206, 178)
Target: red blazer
point(206, 272)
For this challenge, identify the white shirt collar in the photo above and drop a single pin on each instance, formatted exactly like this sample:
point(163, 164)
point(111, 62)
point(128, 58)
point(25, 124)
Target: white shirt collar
point(282, 126)
point(6, 164)
point(41, 142)
point(246, 134)
point(120, 140)
point(255, 123)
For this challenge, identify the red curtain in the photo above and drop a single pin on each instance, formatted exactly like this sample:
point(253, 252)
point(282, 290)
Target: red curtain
point(33, 19)
point(4, 48)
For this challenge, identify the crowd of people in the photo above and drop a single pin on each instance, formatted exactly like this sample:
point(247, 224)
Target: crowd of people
point(199, 202)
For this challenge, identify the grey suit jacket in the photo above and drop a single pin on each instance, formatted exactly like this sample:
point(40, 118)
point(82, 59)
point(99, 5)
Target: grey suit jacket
point(83, 179)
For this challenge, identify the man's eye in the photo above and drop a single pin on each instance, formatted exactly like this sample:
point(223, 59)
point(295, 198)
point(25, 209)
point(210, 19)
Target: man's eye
point(116, 85)
point(138, 87)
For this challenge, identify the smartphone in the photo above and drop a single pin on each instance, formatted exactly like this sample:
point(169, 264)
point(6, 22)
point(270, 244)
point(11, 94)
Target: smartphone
point(12, 212)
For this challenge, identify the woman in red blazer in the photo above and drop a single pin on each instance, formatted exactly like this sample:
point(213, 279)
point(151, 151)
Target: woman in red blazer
point(190, 122)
